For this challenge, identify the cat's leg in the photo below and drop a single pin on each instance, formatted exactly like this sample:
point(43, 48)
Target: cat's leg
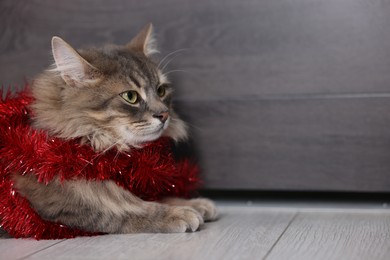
point(205, 207)
point(102, 206)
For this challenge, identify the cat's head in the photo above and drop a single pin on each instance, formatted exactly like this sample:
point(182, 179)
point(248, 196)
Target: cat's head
point(110, 96)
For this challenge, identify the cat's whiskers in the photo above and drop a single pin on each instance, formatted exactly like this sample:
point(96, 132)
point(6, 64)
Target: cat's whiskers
point(98, 154)
point(171, 71)
point(167, 56)
point(194, 126)
point(169, 61)
point(125, 124)
point(111, 146)
point(137, 132)
point(141, 125)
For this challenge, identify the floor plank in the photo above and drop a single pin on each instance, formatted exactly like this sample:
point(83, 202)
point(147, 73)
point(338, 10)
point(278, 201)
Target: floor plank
point(335, 235)
point(21, 248)
point(240, 233)
point(245, 230)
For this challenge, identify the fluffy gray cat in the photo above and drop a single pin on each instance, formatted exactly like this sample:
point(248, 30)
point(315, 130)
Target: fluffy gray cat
point(114, 96)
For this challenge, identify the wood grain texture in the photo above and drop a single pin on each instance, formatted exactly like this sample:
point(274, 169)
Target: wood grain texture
point(240, 233)
point(235, 48)
point(264, 230)
point(335, 236)
point(20, 248)
point(328, 144)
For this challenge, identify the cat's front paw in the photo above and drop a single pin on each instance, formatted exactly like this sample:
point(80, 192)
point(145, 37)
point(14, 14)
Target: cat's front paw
point(180, 219)
point(206, 208)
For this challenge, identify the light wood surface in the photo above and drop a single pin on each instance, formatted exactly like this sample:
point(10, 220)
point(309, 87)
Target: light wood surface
point(335, 235)
point(21, 248)
point(244, 231)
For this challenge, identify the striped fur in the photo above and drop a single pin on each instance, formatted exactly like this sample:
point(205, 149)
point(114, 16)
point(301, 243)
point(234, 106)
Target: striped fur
point(83, 97)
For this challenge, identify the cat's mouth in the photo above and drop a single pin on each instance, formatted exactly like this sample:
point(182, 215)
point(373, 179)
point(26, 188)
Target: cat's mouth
point(152, 133)
point(144, 133)
point(158, 130)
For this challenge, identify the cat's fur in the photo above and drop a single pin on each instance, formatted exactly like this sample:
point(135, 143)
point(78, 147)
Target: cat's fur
point(86, 96)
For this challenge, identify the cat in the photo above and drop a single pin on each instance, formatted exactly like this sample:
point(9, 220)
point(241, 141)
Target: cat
point(115, 96)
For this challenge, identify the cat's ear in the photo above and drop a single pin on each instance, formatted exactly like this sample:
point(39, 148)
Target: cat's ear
point(144, 41)
point(74, 69)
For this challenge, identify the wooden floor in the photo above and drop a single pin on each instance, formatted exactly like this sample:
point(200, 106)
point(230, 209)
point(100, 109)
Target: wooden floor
point(245, 230)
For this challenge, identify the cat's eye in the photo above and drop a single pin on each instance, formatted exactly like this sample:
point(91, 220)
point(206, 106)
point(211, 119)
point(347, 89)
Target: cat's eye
point(130, 96)
point(161, 90)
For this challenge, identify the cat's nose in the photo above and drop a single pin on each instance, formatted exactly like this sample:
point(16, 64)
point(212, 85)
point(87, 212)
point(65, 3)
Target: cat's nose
point(163, 116)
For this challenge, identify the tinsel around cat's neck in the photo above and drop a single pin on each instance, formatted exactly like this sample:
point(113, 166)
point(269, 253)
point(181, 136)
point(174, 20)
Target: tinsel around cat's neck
point(151, 173)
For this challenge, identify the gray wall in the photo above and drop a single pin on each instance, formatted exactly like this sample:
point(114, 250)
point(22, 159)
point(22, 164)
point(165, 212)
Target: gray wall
point(281, 94)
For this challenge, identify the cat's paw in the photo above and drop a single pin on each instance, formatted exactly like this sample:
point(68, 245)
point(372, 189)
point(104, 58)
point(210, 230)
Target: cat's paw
point(206, 208)
point(180, 219)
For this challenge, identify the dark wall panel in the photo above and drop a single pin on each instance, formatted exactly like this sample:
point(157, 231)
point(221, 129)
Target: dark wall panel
point(232, 47)
point(325, 144)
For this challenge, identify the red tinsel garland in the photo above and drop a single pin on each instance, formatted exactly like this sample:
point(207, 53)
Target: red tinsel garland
point(151, 173)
